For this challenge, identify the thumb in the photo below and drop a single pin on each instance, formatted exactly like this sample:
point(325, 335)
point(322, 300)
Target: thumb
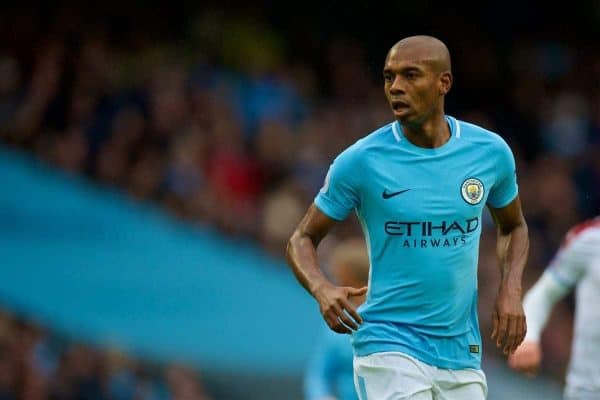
point(357, 292)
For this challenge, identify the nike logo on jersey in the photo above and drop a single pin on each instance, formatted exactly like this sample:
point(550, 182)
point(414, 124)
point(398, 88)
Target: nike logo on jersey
point(386, 195)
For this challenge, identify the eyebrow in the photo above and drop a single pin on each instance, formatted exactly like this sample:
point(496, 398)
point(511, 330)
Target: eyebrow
point(409, 68)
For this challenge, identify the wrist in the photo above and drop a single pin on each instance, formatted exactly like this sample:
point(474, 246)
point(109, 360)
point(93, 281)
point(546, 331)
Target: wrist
point(511, 287)
point(318, 285)
point(511, 290)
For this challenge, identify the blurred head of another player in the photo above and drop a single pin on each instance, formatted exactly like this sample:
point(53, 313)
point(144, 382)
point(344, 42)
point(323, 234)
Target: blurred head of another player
point(349, 265)
point(417, 75)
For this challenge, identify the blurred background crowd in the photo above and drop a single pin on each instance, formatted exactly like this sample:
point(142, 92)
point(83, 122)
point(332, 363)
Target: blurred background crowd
point(230, 117)
point(38, 364)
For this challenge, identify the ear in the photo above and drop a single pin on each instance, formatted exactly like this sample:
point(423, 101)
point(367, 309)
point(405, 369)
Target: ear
point(445, 82)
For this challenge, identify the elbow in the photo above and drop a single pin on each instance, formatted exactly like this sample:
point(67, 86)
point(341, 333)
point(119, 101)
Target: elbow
point(518, 227)
point(290, 245)
point(521, 232)
point(523, 223)
point(523, 227)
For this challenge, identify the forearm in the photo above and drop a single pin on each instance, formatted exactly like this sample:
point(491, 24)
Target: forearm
point(512, 249)
point(334, 301)
point(301, 255)
point(538, 304)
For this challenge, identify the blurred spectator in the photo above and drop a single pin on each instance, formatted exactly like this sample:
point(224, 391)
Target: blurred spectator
point(566, 125)
point(282, 209)
point(35, 364)
point(183, 383)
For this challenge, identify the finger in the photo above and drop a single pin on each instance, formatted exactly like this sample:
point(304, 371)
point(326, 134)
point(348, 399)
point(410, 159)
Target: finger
point(349, 307)
point(331, 319)
point(348, 321)
point(331, 323)
point(511, 335)
point(495, 323)
point(357, 292)
point(524, 331)
point(341, 316)
point(340, 328)
point(502, 327)
point(520, 334)
point(334, 323)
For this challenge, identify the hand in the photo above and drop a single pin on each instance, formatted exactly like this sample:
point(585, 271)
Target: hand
point(526, 358)
point(336, 308)
point(508, 317)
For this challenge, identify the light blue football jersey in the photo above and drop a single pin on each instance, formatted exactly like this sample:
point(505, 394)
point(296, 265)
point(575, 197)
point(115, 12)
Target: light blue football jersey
point(421, 213)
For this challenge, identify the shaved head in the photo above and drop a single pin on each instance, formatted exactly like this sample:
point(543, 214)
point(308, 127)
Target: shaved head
point(423, 49)
point(417, 75)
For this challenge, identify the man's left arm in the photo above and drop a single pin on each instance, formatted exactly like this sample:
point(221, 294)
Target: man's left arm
point(512, 249)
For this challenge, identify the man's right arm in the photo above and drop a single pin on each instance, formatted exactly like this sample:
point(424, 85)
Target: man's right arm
point(336, 308)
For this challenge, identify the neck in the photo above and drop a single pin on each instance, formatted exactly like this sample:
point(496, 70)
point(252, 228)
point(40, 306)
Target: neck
point(431, 133)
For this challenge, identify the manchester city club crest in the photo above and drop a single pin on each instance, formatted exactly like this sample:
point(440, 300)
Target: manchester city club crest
point(472, 191)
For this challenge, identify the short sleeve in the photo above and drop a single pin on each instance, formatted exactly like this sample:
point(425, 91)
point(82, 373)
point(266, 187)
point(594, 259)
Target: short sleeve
point(505, 189)
point(339, 194)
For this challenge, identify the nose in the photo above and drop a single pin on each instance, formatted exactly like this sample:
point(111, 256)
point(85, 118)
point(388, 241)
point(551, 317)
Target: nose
point(397, 86)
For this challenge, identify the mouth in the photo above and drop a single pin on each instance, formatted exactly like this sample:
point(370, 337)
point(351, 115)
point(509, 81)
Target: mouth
point(399, 105)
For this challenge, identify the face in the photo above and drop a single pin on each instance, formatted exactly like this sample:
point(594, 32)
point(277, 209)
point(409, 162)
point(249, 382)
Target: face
point(413, 88)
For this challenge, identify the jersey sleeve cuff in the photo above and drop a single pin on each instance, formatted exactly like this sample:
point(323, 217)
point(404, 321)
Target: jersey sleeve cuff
point(504, 201)
point(328, 208)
